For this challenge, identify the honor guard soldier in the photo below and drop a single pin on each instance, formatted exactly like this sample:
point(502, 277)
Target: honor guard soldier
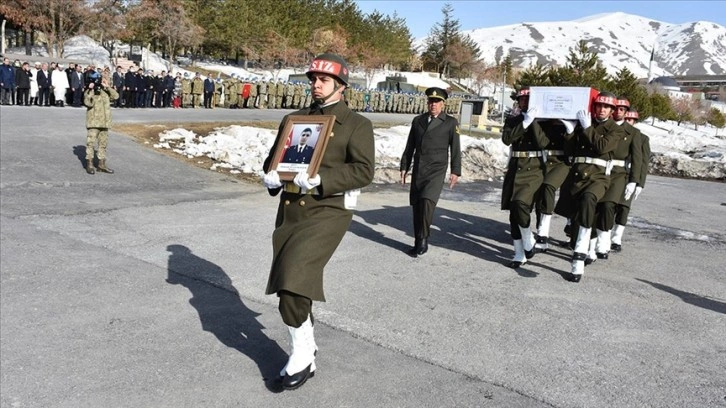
point(637, 174)
point(314, 213)
point(622, 181)
point(433, 138)
point(595, 141)
point(525, 174)
point(558, 132)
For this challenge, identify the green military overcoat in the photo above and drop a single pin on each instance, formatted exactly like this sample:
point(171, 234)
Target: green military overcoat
point(628, 148)
point(525, 174)
point(598, 141)
point(308, 228)
point(429, 147)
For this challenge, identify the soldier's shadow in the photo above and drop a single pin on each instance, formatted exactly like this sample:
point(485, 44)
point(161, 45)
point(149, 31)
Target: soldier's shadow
point(222, 312)
point(80, 152)
point(451, 230)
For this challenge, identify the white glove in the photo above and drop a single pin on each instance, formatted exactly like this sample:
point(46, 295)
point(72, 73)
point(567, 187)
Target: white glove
point(629, 190)
point(304, 181)
point(529, 117)
point(271, 180)
point(584, 118)
point(569, 125)
point(638, 190)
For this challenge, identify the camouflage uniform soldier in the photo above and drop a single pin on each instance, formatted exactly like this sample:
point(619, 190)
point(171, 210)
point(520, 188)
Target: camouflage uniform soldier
point(252, 102)
point(186, 91)
point(218, 93)
point(98, 120)
point(308, 96)
point(296, 96)
point(289, 95)
point(280, 94)
point(271, 94)
point(227, 96)
point(197, 90)
point(262, 90)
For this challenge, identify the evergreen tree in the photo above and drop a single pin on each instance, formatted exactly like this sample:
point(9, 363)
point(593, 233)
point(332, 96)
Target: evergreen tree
point(536, 75)
point(447, 50)
point(660, 107)
point(625, 85)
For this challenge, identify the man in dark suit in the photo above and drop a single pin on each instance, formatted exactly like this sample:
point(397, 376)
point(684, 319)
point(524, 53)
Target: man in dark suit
point(432, 137)
point(301, 153)
point(130, 88)
point(208, 92)
point(43, 85)
point(77, 84)
point(118, 85)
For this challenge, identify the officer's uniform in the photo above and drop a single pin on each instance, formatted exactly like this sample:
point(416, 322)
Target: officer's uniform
point(431, 143)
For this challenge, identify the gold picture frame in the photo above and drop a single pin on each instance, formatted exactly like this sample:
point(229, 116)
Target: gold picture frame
point(301, 145)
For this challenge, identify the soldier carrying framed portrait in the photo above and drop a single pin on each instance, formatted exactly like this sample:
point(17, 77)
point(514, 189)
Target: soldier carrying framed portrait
point(306, 140)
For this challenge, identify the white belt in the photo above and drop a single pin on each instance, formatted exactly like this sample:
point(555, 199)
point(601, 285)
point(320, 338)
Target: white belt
point(608, 164)
point(555, 152)
point(522, 154)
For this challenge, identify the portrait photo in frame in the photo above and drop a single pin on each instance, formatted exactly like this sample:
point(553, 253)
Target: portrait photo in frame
point(305, 138)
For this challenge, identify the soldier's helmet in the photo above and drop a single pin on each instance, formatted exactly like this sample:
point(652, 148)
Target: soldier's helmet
point(607, 98)
point(633, 114)
point(330, 64)
point(623, 102)
point(186, 75)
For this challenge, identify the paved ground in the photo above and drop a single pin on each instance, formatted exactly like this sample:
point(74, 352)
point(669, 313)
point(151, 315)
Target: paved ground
point(145, 288)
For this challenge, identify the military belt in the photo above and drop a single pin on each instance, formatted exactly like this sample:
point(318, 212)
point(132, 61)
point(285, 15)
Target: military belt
point(523, 154)
point(294, 189)
point(555, 152)
point(607, 164)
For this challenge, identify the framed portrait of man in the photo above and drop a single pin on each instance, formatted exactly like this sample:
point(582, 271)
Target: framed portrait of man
point(306, 138)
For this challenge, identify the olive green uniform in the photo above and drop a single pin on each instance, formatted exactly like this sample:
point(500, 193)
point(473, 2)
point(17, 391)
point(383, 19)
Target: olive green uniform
point(309, 227)
point(525, 172)
point(429, 147)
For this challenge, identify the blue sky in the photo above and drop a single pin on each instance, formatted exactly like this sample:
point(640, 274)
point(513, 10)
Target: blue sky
point(422, 15)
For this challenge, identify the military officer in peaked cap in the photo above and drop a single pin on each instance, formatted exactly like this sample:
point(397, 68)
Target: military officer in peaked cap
point(432, 141)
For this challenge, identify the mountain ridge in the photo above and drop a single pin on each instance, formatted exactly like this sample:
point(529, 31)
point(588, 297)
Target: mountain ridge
point(621, 40)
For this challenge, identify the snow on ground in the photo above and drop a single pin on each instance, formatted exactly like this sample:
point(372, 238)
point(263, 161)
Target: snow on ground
point(244, 149)
point(685, 152)
point(677, 151)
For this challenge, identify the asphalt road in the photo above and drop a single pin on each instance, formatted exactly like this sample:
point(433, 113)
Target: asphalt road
point(145, 288)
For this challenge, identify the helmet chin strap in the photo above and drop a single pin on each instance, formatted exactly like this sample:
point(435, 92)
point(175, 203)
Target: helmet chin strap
point(321, 101)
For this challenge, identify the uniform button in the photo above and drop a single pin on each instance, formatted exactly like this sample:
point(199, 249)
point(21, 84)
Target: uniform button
point(302, 203)
point(287, 202)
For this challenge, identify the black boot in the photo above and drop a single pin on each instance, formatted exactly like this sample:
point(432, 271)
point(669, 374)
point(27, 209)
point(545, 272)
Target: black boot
point(424, 247)
point(102, 167)
point(295, 381)
point(89, 167)
point(416, 246)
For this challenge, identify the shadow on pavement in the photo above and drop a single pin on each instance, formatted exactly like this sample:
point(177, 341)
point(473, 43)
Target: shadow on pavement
point(222, 312)
point(470, 234)
point(80, 152)
point(690, 298)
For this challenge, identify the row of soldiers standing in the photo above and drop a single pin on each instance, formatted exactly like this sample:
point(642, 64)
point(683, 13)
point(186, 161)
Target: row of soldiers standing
point(244, 93)
point(598, 162)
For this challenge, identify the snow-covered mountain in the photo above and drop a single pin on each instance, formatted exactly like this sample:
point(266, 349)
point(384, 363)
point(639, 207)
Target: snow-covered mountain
point(622, 40)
